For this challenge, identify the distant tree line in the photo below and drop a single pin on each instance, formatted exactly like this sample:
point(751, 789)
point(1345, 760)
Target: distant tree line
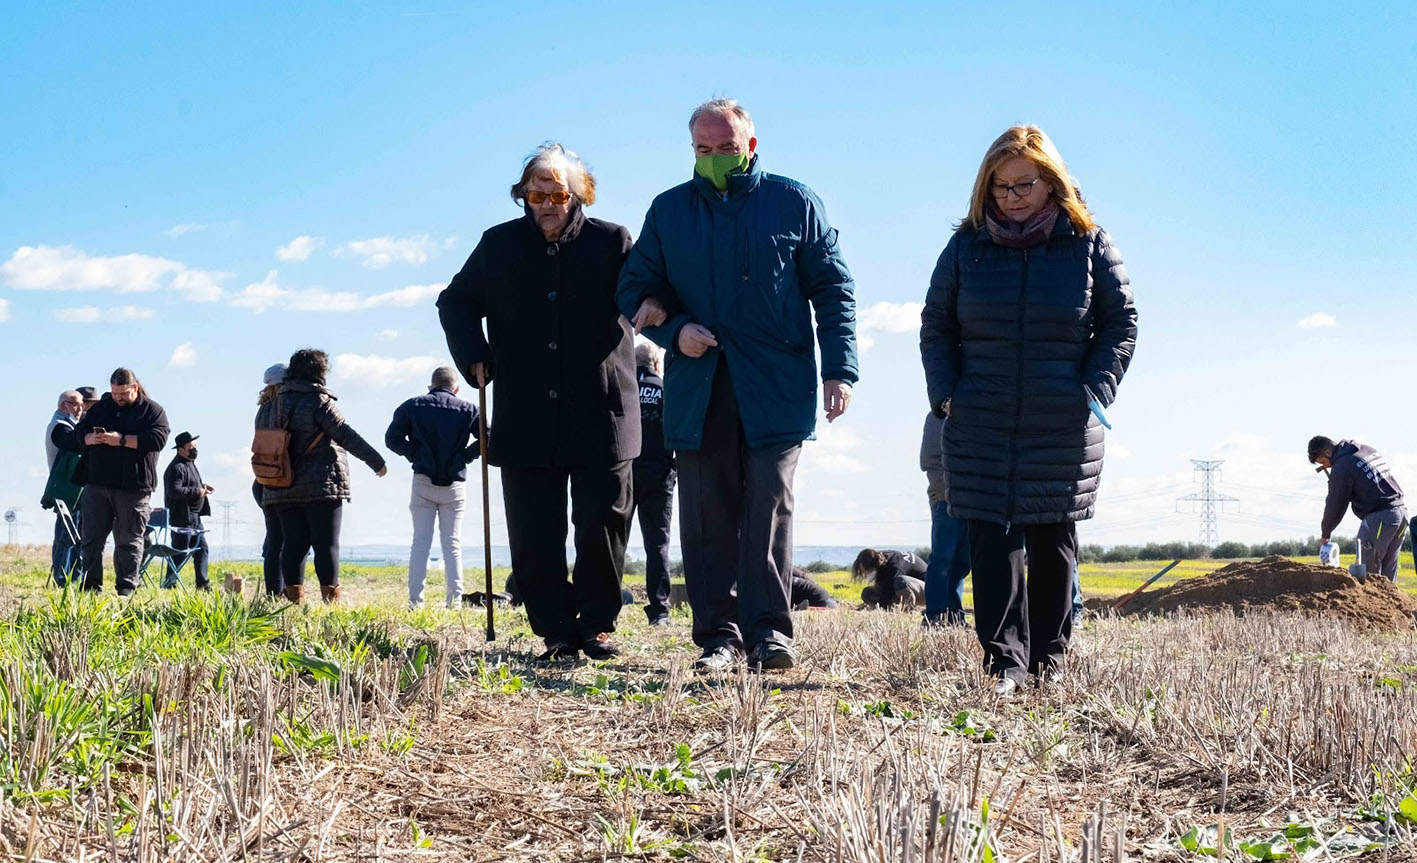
point(1126, 553)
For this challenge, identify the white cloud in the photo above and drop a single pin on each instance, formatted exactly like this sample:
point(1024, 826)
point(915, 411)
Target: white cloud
point(179, 230)
point(299, 249)
point(65, 268)
point(410, 295)
point(93, 314)
point(886, 317)
point(267, 294)
point(378, 252)
point(184, 356)
point(4, 311)
point(832, 452)
point(386, 335)
point(1317, 320)
point(373, 371)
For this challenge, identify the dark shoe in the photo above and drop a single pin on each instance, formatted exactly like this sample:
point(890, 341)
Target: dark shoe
point(659, 621)
point(719, 658)
point(771, 657)
point(559, 651)
point(600, 647)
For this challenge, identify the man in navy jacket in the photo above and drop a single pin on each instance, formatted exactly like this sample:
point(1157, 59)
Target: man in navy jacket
point(437, 432)
point(726, 275)
point(1358, 477)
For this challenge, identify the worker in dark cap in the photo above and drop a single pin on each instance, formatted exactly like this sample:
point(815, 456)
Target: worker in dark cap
point(187, 499)
point(1359, 477)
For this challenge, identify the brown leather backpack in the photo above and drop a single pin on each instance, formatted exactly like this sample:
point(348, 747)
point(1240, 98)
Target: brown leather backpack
point(270, 453)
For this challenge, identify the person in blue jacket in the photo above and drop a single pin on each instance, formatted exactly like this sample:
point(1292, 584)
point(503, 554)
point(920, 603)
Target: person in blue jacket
point(726, 275)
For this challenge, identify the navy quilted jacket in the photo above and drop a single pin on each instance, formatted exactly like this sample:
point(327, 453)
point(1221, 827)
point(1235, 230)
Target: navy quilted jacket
point(1016, 340)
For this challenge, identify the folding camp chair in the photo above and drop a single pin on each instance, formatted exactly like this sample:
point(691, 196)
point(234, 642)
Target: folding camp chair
point(160, 543)
point(74, 556)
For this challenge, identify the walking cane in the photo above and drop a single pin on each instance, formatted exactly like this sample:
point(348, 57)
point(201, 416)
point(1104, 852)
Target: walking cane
point(486, 512)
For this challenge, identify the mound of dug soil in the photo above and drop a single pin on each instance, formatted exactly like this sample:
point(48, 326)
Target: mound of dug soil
point(1279, 584)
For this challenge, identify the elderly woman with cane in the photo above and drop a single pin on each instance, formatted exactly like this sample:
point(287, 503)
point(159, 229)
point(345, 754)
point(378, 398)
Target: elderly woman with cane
point(1027, 330)
point(566, 405)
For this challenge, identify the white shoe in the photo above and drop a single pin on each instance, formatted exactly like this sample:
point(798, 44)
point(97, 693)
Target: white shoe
point(1006, 687)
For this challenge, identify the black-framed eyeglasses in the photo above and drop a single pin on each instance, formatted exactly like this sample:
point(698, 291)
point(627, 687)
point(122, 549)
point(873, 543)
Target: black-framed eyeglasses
point(1022, 190)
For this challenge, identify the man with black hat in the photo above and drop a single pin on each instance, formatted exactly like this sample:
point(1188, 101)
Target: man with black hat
point(1359, 477)
point(187, 499)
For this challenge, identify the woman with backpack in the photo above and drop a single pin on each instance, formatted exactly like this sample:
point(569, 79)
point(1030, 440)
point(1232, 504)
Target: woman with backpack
point(309, 489)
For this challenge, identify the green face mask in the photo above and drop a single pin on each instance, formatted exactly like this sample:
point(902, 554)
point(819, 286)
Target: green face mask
point(716, 167)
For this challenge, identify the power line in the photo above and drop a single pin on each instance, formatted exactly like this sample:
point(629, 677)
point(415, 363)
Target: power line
point(1212, 502)
point(227, 523)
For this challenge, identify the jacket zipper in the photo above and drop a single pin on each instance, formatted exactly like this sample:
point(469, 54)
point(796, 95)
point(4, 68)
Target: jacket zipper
point(1018, 395)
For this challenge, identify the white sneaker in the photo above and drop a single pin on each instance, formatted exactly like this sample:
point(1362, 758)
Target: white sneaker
point(1006, 687)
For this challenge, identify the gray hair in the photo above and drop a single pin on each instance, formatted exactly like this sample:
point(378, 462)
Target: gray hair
point(649, 356)
point(553, 159)
point(68, 395)
point(444, 377)
point(736, 114)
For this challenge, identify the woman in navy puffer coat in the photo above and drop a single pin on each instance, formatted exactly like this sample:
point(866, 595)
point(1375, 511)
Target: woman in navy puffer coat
point(1027, 331)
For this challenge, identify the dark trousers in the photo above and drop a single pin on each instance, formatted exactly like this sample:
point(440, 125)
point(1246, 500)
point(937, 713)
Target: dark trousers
point(1023, 620)
point(735, 523)
point(948, 566)
point(64, 558)
point(576, 610)
point(271, 549)
point(654, 502)
point(306, 528)
point(123, 514)
point(183, 541)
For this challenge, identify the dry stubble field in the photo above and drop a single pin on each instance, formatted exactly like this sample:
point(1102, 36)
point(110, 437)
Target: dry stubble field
point(188, 728)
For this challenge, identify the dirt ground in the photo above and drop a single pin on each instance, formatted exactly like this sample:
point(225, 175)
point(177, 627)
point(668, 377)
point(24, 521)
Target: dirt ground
point(1280, 584)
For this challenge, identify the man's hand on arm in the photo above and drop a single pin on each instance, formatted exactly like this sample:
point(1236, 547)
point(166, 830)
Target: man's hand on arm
point(836, 398)
point(695, 340)
point(651, 314)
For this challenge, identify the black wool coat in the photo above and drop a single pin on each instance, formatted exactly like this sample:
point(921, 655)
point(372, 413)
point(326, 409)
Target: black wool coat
point(1018, 340)
point(561, 354)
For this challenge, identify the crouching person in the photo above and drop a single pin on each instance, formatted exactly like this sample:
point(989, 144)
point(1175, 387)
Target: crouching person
point(897, 578)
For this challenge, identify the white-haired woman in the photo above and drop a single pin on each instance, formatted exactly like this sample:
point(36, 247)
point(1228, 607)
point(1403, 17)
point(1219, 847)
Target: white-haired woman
point(566, 412)
point(1027, 330)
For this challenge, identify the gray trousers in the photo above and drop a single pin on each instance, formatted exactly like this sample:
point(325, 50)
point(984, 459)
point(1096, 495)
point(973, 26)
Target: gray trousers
point(444, 504)
point(735, 525)
point(125, 515)
point(1381, 535)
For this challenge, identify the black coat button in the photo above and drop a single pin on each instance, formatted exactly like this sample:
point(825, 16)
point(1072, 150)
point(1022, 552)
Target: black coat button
point(550, 250)
point(552, 345)
point(551, 295)
point(551, 393)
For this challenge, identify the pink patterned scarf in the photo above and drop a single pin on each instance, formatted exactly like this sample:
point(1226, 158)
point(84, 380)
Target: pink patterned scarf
point(1031, 233)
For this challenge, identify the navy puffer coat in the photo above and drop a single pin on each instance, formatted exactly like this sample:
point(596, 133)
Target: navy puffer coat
point(1018, 340)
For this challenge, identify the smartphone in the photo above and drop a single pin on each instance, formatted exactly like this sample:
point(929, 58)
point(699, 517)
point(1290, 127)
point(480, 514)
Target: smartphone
point(97, 430)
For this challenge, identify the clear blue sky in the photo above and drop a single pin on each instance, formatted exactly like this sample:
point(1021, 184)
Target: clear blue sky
point(1254, 165)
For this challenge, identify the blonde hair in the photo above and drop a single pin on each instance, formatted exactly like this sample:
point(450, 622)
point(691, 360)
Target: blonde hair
point(555, 161)
point(1033, 144)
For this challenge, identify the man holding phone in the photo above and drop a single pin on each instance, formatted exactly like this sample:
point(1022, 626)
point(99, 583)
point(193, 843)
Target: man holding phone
point(120, 439)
